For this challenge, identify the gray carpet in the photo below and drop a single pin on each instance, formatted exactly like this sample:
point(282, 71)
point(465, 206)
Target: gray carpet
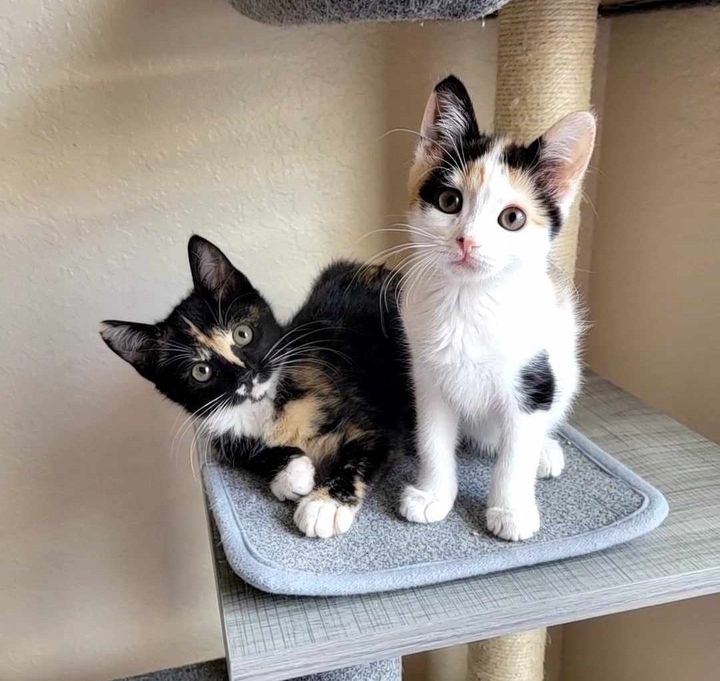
point(290, 12)
point(594, 504)
point(216, 670)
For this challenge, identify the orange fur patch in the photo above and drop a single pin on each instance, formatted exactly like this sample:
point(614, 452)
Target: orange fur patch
point(525, 186)
point(220, 341)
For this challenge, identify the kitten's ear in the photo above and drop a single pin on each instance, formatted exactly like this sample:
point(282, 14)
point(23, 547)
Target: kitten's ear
point(133, 342)
point(448, 115)
point(212, 272)
point(565, 151)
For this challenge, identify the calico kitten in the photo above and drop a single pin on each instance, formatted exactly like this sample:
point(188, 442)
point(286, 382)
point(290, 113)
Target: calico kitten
point(492, 330)
point(314, 407)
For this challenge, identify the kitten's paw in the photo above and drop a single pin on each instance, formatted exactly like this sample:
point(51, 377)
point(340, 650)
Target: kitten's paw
point(295, 480)
point(552, 459)
point(319, 515)
point(513, 524)
point(419, 506)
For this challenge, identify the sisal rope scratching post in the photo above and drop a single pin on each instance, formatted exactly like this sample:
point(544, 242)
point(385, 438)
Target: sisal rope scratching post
point(515, 657)
point(545, 62)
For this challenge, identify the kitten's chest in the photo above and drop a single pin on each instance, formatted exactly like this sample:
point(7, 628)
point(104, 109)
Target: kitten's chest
point(475, 336)
point(246, 420)
point(472, 347)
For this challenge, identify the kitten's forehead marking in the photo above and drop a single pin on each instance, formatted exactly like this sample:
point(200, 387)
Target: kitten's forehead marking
point(474, 176)
point(219, 341)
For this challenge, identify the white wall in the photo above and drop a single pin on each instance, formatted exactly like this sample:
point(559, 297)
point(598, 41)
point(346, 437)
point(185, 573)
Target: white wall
point(126, 126)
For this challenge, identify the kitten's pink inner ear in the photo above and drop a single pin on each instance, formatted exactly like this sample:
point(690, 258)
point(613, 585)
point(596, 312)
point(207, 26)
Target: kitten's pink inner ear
point(428, 129)
point(568, 146)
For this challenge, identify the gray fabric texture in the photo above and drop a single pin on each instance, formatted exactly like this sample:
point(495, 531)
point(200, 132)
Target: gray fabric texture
point(384, 670)
point(595, 503)
point(216, 670)
point(291, 12)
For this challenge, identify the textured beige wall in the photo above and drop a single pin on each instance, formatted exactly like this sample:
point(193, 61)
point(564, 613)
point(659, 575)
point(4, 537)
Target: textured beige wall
point(126, 126)
point(655, 282)
point(655, 294)
point(676, 642)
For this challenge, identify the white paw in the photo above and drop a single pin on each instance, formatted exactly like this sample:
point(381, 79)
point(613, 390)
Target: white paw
point(419, 506)
point(514, 524)
point(295, 480)
point(318, 515)
point(552, 459)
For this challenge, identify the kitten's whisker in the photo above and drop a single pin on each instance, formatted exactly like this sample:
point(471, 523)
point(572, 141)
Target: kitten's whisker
point(408, 277)
point(287, 336)
point(394, 130)
point(225, 318)
point(312, 361)
point(212, 312)
point(418, 230)
point(401, 227)
point(192, 420)
point(287, 333)
point(429, 264)
point(289, 344)
point(389, 282)
point(306, 352)
point(389, 252)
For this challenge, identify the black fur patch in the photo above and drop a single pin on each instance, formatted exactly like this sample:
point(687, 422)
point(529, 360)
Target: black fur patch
point(469, 146)
point(343, 388)
point(537, 384)
point(528, 158)
point(472, 144)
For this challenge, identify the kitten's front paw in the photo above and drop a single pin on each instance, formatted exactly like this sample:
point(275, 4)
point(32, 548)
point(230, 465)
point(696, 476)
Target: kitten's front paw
point(319, 515)
point(419, 506)
point(295, 480)
point(513, 524)
point(552, 459)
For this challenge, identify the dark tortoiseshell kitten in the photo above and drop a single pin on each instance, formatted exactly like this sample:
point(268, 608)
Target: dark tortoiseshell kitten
point(314, 407)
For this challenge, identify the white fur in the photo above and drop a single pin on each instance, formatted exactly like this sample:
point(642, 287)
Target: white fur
point(295, 480)
point(471, 331)
point(251, 418)
point(322, 516)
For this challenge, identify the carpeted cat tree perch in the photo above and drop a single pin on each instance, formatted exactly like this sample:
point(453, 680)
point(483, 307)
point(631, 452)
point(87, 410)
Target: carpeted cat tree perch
point(544, 70)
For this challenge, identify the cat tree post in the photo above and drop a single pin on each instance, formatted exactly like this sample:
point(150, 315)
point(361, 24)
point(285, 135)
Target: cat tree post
point(545, 61)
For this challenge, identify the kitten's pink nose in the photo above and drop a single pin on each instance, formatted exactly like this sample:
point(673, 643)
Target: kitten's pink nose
point(466, 245)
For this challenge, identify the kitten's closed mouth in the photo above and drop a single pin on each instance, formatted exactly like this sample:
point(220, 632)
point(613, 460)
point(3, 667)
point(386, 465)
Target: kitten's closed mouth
point(241, 394)
point(465, 263)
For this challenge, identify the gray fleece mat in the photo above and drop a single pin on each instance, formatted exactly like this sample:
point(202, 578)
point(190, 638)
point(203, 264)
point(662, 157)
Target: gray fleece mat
point(595, 503)
point(216, 670)
point(290, 12)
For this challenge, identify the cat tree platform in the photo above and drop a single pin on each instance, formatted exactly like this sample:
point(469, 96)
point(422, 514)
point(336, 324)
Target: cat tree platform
point(269, 637)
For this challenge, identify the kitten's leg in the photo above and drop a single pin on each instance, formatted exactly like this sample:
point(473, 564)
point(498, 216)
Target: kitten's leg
point(433, 494)
point(331, 508)
point(512, 512)
point(289, 470)
point(552, 459)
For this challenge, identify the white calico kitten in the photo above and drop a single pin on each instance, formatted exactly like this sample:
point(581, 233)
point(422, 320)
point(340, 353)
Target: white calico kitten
point(493, 335)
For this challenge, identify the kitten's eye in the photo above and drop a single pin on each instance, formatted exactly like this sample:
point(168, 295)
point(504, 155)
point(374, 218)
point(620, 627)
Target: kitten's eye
point(202, 372)
point(449, 201)
point(512, 219)
point(242, 334)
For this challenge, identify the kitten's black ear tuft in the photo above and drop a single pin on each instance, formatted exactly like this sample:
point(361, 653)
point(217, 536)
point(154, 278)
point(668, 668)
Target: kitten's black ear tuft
point(212, 271)
point(135, 343)
point(449, 113)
